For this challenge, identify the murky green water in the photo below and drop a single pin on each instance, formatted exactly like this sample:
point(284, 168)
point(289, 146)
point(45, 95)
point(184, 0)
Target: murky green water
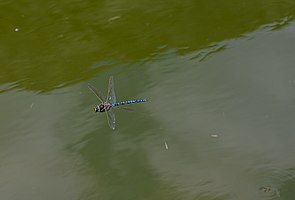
point(219, 77)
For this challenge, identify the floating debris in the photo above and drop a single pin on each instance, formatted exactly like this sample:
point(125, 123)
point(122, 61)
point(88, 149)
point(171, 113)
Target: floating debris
point(166, 145)
point(270, 191)
point(16, 29)
point(31, 106)
point(265, 189)
point(114, 18)
point(214, 135)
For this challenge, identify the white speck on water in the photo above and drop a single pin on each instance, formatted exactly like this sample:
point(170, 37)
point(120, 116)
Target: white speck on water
point(166, 145)
point(214, 135)
point(16, 29)
point(31, 106)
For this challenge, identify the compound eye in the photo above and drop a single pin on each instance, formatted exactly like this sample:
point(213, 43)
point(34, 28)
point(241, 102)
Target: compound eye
point(96, 109)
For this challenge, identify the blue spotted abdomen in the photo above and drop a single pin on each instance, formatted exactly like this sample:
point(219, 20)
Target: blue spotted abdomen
point(128, 102)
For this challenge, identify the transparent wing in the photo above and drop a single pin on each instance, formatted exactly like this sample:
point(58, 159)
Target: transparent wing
point(111, 119)
point(96, 93)
point(111, 98)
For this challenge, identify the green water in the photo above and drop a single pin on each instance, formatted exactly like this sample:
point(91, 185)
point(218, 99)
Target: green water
point(218, 77)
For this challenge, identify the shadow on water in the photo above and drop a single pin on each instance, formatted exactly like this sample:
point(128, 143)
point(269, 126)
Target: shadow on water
point(120, 165)
point(117, 164)
point(120, 171)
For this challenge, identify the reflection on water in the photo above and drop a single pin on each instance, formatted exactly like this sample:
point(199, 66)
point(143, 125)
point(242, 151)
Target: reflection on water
point(60, 41)
point(219, 79)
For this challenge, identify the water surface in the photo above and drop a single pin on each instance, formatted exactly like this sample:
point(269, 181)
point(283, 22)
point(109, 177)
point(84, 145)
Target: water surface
point(218, 76)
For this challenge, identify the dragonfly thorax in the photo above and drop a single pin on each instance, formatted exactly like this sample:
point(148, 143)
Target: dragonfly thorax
point(103, 107)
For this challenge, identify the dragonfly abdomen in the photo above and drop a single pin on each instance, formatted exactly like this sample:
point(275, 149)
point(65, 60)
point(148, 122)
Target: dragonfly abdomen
point(128, 102)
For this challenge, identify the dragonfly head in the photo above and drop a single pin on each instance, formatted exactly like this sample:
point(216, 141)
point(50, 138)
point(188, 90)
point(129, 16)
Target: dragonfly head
point(96, 109)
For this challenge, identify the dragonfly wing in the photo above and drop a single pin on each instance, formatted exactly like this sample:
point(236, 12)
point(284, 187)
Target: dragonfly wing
point(111, 119)
point(111, 98)
point(96, 93)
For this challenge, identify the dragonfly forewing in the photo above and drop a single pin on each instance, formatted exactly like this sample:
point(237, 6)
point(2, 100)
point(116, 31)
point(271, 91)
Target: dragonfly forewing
point(111, 98)
point(99, 96)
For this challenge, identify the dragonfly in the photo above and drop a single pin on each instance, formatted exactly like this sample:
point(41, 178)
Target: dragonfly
point(108, 104)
